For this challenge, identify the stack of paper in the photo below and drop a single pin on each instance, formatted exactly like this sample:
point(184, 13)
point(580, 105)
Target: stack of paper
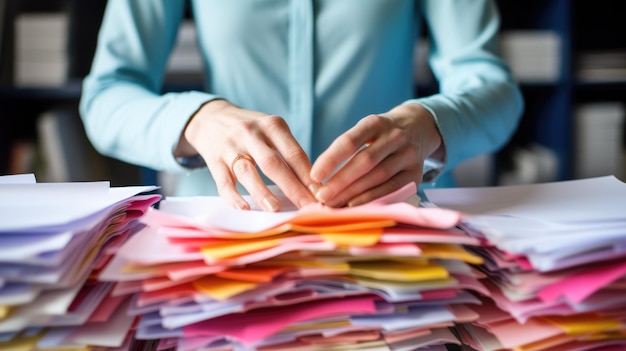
point(54, 240)
point(382, 276)
point(554, 260)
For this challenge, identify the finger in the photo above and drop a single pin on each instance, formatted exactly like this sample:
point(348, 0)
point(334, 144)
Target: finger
point(346, 145)
point(382, 173)
point(292, 153)
point(396, 182)
point(273, 164)
point(245, 171)
point(360, 165)
point(227, 185)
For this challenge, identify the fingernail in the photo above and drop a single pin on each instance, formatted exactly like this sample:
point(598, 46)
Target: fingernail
point(242, 206)
point(314, 187)
point(322, 195)
point(270, 204)
point(352, 204)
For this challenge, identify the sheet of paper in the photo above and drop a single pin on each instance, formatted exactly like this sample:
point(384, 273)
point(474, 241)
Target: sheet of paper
point(18, 179)
point(18, 248)
point(575, 201)
point(211, 213)
point(398, 271)
point(255, 325)
point(582, 284)
point(534, 330)
point(57, 206)
point(109, 334)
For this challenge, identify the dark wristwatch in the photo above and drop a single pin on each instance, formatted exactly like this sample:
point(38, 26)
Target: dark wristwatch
point(191, 162)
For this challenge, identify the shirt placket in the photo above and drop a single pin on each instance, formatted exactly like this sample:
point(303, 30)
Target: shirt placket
point(301, 56)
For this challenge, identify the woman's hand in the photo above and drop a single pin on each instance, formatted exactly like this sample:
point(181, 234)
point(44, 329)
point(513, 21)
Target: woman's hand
point(380, 154)
point(236, 144)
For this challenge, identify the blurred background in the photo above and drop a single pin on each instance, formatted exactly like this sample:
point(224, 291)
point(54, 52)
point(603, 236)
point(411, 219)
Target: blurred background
point(569, 57)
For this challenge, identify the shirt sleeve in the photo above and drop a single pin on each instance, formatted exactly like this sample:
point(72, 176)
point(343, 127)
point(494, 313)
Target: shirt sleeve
point(124, 113)
point(479, 105)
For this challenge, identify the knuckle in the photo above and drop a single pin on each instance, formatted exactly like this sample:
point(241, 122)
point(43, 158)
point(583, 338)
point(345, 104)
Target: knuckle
point(244, 169)
point(273, 121)
point(349, 141)
point(270, 163)
point(368, 159)
point(246, 128)
point(381, 174)
point(296, 155)
point(411, 153)
point(399, 135)
point(373, 120)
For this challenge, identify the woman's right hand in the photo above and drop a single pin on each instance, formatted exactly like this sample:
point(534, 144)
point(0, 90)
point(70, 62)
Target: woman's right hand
point(237, 144)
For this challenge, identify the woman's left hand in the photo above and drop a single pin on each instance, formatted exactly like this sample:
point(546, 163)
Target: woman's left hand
point(379, 155)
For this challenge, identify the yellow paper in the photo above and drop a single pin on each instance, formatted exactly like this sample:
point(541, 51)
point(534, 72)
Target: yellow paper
point(21, 343)
point(398, 271)
point(237, 248)
point(131, 268)
point(340, 267)
point(319, 325)
point(585, 323)
point(221, 289)
point(546, 344)
point(309, 228)
point(363, 237)
point(342, 227)
point(449, 251)
point(5, 311)
point(607, 335)
point(417, 285)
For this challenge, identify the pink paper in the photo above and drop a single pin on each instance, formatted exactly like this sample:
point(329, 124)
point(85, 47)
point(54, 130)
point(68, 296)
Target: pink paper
point(388, 249)
point(581, 285)
point(256, 325)
point(512, 334)
point(400, 212)
point(106, 308)
point(148, 247)
point(150, 297)
point(399, 195)
point(522, 310)
point(225, 219)
point(426, 235)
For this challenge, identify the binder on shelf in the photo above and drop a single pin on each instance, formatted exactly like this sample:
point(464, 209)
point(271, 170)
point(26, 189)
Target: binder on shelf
point(533, 55)
point(41, 49)
point(601, 66)
point(599, 139)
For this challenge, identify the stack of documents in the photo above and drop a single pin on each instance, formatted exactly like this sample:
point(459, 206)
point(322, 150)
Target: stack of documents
point(555, 263)
point(387, 275)
point(54, 240)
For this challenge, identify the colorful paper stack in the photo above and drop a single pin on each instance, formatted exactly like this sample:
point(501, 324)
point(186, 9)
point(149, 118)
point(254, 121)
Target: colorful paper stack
point(54, 240)
point(555, 264)
point(383, 276)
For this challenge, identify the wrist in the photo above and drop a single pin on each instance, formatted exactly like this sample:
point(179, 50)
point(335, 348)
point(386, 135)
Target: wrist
point(420, 123)
point(185, 149)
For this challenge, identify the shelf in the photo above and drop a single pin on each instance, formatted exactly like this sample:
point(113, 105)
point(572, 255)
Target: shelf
point(594, 86)
point(70, 91)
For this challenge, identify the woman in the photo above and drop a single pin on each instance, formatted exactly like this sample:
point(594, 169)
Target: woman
point(291, 81)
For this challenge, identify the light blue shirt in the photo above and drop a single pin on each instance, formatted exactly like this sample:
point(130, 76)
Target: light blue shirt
point(322, 65)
